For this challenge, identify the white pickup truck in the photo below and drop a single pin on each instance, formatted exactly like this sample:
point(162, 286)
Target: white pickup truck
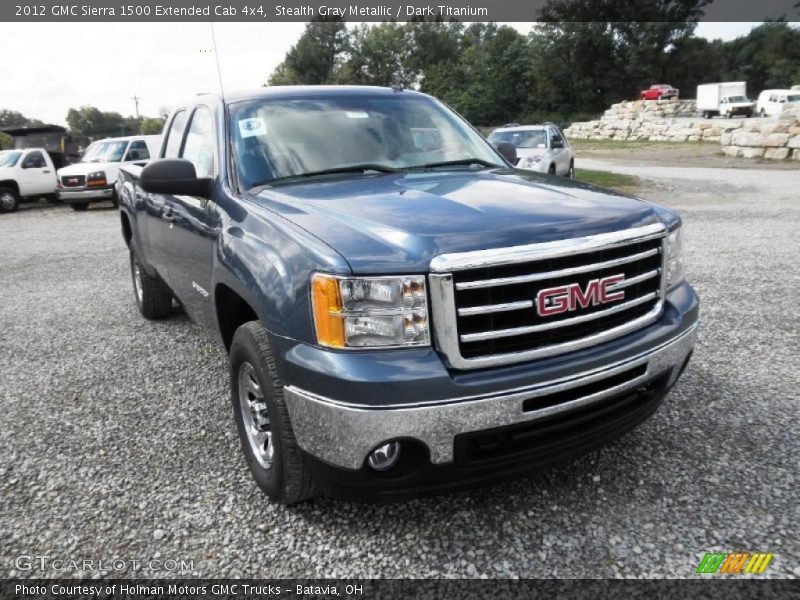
point(93, 178)
point(25, 175)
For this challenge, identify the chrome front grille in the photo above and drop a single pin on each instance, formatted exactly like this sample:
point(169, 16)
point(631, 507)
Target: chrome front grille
point(485, 302)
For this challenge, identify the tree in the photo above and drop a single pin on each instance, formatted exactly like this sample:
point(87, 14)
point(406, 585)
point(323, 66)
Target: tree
point(89, 123)
point(313, 59)
point(378, 55)
point(12, 118)
point(152, 126)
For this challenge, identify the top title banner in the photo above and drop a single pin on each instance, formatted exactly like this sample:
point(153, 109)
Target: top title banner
point(382, 10)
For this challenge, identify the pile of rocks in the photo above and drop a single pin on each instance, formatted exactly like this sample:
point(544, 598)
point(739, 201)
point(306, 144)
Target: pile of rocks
point(776, 140)
point(649, 120)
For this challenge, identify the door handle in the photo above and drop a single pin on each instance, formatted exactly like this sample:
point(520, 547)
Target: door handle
point(46, 171)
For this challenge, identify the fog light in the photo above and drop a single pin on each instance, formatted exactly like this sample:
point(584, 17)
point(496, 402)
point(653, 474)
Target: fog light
point(384, 457)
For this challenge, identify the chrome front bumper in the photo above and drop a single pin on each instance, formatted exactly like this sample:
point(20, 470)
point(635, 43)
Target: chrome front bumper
point(342, 434)
point(85, 194)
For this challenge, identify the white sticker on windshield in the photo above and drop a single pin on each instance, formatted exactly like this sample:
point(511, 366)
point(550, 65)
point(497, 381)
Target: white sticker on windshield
point(252, 127)
point(356, 114)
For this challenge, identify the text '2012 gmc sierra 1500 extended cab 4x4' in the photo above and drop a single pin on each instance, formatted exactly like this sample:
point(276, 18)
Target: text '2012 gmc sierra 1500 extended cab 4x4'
point(404, 311)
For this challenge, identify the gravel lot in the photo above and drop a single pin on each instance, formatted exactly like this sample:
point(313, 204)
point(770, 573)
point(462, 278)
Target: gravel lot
point(117, 440)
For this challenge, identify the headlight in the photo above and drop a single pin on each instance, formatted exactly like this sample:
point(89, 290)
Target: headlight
point(96, 178)
point(368, 312)
point(674, 258)
point(530, 161)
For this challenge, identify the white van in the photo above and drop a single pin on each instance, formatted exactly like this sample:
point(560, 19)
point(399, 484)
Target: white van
point(93, 178)
point(773, 102)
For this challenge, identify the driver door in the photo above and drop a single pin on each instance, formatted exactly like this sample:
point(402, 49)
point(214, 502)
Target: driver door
point(559, 150)
point(37, 176)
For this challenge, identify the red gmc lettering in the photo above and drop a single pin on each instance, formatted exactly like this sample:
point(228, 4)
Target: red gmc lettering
point(557, 300)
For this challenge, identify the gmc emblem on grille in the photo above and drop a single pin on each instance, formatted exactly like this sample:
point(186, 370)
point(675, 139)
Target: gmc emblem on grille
point(72, 181)
point(566, 298)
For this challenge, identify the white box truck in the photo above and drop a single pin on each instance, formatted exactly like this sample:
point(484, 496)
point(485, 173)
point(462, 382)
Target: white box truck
point(727, 99)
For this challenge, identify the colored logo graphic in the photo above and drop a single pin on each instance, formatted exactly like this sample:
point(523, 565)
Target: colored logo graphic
point(734, 562)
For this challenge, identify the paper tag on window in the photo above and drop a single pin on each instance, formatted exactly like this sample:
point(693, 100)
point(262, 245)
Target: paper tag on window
point(252, 127)
point(356, 114)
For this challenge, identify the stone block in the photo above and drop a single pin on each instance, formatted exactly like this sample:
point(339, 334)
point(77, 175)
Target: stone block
point(776, 153)
point(775, 140)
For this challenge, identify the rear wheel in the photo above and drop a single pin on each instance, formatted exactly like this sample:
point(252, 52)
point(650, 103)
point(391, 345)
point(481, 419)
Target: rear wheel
point(152, 295)
point(79, 206)
point(270, 449)
point(9, 200)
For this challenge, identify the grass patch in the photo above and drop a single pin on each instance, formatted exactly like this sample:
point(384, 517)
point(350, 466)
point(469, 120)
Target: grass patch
point(604, 145)
point(606, 178)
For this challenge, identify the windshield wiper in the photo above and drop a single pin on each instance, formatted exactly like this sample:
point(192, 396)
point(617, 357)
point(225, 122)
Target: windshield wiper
point(365, 168)
point(467, 162)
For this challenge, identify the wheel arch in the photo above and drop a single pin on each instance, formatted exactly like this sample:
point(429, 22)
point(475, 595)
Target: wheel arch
point(232, 311)
point(10, 183)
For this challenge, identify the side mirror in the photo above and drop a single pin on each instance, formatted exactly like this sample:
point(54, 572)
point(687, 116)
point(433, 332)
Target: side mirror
point(173, 176)
point(508, 151)
point(557, 144)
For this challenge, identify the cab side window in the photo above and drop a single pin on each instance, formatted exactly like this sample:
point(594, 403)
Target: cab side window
point(199, 146)
point(34, 160)
point(137, 151)
point(175, 135)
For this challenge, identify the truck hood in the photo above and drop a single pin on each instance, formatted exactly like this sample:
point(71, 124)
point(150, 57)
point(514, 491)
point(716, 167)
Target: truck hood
point(525, 152)
point(87, 167)
point(398, 222)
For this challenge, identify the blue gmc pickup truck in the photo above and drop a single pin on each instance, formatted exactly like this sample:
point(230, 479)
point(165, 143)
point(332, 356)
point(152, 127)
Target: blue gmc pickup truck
point(403, 310)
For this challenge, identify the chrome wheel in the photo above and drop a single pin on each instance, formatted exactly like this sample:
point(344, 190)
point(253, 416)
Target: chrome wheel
point(7, 201)
point(255, 416)
point(137, 280)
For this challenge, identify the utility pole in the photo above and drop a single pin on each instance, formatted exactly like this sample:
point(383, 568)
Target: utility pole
point(136, 102)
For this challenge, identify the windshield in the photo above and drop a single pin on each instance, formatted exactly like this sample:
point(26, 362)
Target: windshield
point(521, 139)
point(283, 138)
point(9, 159)
point(105, 152)
point(793, 98)
point(737, 99)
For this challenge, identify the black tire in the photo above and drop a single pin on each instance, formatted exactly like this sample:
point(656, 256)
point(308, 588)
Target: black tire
point(552, 169)
point(288, 478)
point(114, 200)
point(54, 199)
point(763, 113)
point(79, 206)
point(571, 172)
point(9, 200)
point(706, 114)
point(152, 295)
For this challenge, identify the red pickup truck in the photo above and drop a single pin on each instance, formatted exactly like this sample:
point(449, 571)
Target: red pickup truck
point(659, 91)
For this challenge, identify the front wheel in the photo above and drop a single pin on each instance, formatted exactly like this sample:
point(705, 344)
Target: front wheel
point(79, 206)
point(270, 449)
point(9, 200)
point(552, 169)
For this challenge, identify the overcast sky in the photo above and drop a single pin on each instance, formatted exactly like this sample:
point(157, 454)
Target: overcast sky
point(50, 67)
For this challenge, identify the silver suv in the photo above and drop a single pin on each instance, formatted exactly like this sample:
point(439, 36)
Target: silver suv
point(541, 148)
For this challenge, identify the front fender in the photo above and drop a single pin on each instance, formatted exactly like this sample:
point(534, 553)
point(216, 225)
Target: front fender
point(268, 262)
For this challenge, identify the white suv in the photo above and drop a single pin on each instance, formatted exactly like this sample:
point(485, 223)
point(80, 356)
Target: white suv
point(541, 148)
